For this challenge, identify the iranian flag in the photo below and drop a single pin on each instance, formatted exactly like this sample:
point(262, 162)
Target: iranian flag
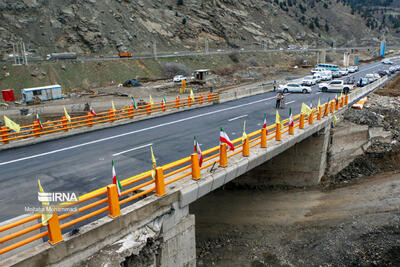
point(133, 103)
point(198, 151)
point(291, 123)
point(39, 121)
point(164, 101)
point(224, 138)
point(116, 180)
point(336, 100)
point(92, 111)
point(265, 121)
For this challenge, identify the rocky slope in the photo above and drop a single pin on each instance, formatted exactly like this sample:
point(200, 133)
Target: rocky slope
point(104, 27)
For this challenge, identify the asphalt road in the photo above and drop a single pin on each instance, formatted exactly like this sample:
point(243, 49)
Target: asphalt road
point(82, 163)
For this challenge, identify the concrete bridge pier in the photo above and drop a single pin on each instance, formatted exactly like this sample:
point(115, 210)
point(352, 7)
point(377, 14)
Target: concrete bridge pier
point(301, 165)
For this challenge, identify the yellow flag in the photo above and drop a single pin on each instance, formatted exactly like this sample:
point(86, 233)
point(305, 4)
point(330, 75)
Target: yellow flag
point(153, 159)
point(335, 119)
point(151, 100)
point(191, 94)
point(244, 136)
point(112, 105)
point(67, 115)
point(12, 125)
point(278, 118)
point(46, 214)
point(305, 109)
point(319, 102)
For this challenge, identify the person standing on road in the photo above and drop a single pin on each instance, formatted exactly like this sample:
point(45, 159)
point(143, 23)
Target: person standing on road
point(274, 85)
point(279, 97)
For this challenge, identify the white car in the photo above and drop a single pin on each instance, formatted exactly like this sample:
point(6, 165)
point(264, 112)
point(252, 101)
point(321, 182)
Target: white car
point(371, 77)
point(179, 78)
point(352, 69)
point(313, 71)
point(294, 88)
point(387, 61)
point(309, 81)
point(336, 86)
point(326, 75)
point(343, 72)
point(317, 76)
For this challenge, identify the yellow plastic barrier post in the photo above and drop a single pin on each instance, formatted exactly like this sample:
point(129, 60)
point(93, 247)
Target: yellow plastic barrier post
point(326, 109)
point(113, 203)
point(36, 129)
point(148, 108)
point(53, 227)
point(301, 126)
point(4, 133)
point(223, 158)
point(111, 114)
point(177, 102)
point(195, 166)
point(209, 97)
point(319, 116)
point(346, 100)
point(64, 123)
point(160, 185)
point(130, 112)
point(263, 138)
point(89, 119)
point(291, 129)
point(278, 134)
point(311, 117)
point(246, 148)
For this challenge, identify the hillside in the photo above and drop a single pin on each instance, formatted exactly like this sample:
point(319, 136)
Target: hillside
point(104, 27)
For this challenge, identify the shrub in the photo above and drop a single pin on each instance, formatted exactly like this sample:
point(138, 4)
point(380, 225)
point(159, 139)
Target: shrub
point(235, 57)
point(171, 69)
point(253, 62)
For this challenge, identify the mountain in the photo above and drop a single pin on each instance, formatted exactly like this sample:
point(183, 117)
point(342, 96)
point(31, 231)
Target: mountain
point(106, 27)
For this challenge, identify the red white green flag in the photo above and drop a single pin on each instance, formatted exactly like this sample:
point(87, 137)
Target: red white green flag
point(336, 100)
point(198, 151)
point(265, 121)
point(92, 111)
point(164, 101)
point(39, 121)
point(224, 138)
point(291, 123)
point(116, 180)
point(133, 103)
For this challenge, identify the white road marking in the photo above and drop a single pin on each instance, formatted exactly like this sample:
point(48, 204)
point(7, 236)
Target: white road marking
point(236, 118)
point(317, 93)
point(132, 149)
point(133, 132)
point(290, 102)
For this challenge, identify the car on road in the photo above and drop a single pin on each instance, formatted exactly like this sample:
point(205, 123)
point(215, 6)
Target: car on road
point(336, 86)
point(352, 69)
point(313, 71)
point(372, 77)
point(326, 75)
point(363, 82)
point(179, 78)
point(309, 81)
point(387, 62)
point(294, 88)
point(343, 72)
point(392, 70)
point(336, 74)
point(383, 73)
point(317, 77)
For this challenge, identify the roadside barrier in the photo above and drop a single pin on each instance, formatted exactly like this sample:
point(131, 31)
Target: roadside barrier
point(63, 125)
point(106, 200)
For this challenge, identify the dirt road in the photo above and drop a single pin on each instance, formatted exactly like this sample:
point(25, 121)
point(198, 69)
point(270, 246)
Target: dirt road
point(357, 224)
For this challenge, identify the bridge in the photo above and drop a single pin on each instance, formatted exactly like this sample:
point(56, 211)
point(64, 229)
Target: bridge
point(159, 208)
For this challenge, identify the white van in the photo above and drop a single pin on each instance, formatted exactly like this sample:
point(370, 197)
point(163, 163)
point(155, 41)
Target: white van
point(326, 75)
point(313, 71)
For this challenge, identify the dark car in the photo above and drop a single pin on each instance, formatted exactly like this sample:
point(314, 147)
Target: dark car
point(363, 82)
point(382, 73)
point(131, 83)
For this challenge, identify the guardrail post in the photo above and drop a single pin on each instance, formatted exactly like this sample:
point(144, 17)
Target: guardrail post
point(160, 185)
point(301, 126)
point(341, 101)
point(162, 106)
point(332, 106)
point(319, 116)
point(311, 117)
point(263, 138)
point(337, 105)
point(113, 202)
point(4, 132)
point(53, 227)
point(209, 97)
point(278, 135)
point(177, 102)
point(291, 129)
point(326, 110)
point(111, 114)
point(130, 112)
point(346, 100)
point(223, 158)
point(201, 99)
point(148, 108)
point(89, 119)
point(195, 166)
point(36, 129)
point(189, 101)
point(246, 148)
point(64, 122)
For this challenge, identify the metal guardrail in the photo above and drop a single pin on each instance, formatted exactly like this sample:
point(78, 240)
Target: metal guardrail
point(63, 125)
point(106, 199)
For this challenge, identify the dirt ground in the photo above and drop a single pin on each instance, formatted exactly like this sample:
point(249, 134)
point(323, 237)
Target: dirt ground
point(302, 227)
point(391, 89)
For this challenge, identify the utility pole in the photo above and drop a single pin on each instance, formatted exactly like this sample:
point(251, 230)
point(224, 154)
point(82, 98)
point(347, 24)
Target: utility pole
point(206, 46)
point(14, 55)
point(23, 50)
